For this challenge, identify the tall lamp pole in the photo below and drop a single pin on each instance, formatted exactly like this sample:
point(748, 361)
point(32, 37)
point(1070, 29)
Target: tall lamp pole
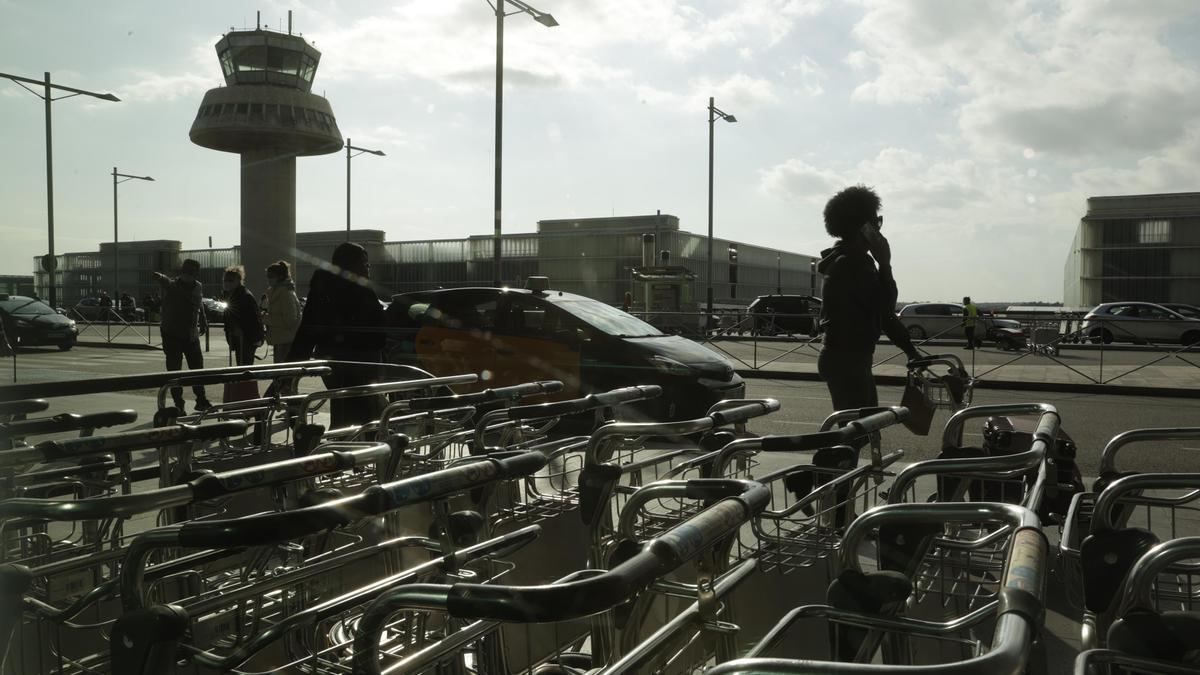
point(48, 98)
point(713, 114)
point(548, 21)
point(349, 156)
point(116, 240)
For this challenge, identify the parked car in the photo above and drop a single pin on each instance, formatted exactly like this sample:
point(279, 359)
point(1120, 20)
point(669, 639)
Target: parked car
point(516, 335)
point(89, 309)
point(1189, 311)
point(784, 315)
point(944, 320)
point(1139, 322)
point(33, 322)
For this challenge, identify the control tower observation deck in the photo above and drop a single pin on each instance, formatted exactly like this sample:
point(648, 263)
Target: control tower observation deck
point(269, 116)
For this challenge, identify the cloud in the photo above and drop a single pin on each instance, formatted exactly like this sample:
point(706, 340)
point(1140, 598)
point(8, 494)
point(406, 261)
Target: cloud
point(737, 93)
point(156, 88)
point(1071, 79)
point(796, 180)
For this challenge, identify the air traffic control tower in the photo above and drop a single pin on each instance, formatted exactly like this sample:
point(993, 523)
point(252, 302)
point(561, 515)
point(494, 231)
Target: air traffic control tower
point(269, 116)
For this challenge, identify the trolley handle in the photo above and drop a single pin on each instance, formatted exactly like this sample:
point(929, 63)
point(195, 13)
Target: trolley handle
point(736, 412)
point(842, 416)
point(1108, 457)
point(708, 490)
point(1137, 591)
point(846, 435)
point(72, 448)
point(994, 464)
point(951, 360)
point(1047, 428)
point(584, 594)
point(574, 406)
point(513, 393)
point(23, 406)
point(315, 398)
point(210, 485)
point(1107, 501)
point(63, 422)
point(273, 528)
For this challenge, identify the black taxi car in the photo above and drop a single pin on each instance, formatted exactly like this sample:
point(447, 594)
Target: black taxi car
point(511, 336)
point(29, 321)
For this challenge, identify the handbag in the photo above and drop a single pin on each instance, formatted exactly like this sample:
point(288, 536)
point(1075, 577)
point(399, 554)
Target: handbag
point(243, 390)
point(920, 407)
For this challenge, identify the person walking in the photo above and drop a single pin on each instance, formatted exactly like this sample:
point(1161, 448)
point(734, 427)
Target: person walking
point(281, 315)
point(343, 321)
point(106, 304)
point(970, 317)
point(859, 298)
point(243, 331)
point(183, 322)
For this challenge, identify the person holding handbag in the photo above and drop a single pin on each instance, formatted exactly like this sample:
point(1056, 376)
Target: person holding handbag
point(281, 316)
point(243, 331)
point(859, 298)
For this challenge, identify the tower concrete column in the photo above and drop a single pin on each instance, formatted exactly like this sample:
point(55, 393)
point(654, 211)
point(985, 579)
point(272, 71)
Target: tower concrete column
point(268, 213)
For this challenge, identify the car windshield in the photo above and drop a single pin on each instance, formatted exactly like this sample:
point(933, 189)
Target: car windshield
point(1186, 310)
point(607, 319)
point(25, 307)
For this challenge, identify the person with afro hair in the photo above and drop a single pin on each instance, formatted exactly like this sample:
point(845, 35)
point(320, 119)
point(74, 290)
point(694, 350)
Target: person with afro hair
point(859, 298)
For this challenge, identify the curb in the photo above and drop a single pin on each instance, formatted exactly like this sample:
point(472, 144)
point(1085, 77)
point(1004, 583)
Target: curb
point(1006, 385)
point(117, 345)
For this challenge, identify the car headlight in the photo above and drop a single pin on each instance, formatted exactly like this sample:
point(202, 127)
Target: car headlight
point(669, 366)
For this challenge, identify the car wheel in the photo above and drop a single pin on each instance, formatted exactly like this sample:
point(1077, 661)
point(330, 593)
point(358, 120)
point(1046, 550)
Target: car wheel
point(1102, 335)
point(916, 332)
point(65, 346)
point(1190, 338)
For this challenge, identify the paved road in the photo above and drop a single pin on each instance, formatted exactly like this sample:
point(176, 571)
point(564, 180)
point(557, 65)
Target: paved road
point(1091, 420)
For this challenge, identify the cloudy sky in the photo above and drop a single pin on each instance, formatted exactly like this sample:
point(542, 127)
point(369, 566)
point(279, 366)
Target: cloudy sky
point(983, 124)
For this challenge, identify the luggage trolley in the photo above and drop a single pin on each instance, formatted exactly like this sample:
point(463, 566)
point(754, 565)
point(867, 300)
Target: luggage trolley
point(1157, 515)
point(1163, 502)
point(1152, 634)
point(616, 461)
point(863, 627)
point(591, 592)
point(943, 380)
point(293, 606)
point(812, 502)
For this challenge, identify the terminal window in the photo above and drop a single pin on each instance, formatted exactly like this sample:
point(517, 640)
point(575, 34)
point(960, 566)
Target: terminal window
point(1154, 232)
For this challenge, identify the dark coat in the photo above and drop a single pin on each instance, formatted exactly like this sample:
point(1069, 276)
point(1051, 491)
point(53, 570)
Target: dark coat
point(342, 319)
point(243, 329)
point(859, 302)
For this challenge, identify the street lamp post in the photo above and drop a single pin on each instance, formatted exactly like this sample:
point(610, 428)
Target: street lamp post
point(349, 149)
point(713, 114)
point(48, 98)
point(549, 22)
point(116, 239)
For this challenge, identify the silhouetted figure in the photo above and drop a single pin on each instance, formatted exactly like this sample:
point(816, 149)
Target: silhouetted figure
point(105, 302)
point(343, 321)
point(281, 310)
point(859, 299)
point(627, 301)
point(183, 322)
point(970, 314)
point(243, 331)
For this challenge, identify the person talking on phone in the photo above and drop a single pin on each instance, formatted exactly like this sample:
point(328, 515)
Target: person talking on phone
point(859, 298)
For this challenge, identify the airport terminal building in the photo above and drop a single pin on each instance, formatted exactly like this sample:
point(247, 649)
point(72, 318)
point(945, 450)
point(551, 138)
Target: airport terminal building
point(1135, 248)
point(596, 257)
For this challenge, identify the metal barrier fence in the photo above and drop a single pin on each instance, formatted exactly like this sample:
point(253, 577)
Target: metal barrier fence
point(776, 338)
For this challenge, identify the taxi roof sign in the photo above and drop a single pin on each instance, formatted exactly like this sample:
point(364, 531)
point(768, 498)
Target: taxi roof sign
point(538, 284)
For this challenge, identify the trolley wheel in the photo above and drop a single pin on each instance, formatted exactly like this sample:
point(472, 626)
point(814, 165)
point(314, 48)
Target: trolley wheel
point(916, 332)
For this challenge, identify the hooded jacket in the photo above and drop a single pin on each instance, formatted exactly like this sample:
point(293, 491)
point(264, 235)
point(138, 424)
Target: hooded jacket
point(283, 313)
point(859, 301)
point(342, 319)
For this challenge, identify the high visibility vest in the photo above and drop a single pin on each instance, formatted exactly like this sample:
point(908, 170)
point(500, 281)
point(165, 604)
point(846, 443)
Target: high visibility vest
point(970, 311)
